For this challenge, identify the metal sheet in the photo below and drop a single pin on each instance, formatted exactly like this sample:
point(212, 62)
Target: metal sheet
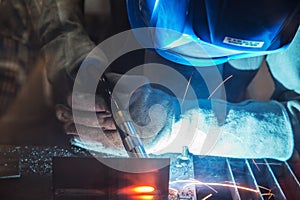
point(75, 178)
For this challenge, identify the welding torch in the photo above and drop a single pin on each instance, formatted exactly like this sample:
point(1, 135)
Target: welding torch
point(125, 127)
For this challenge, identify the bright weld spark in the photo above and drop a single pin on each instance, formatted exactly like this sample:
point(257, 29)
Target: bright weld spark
point(256, 165)
point(231, 182)
point(215, 90)
point(269, 194)
point(213, 189)
point(230, 186)
point(187, 88)
point(208, 196)
point(196, 182)
point(191, 182)
point(262, 187)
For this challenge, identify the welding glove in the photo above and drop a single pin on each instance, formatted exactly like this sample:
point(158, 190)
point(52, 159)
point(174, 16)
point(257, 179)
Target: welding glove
point(250, 129)
point(290, 100)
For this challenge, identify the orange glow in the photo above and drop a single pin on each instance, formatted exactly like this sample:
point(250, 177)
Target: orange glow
point(136, 190)
point(264, 188)
point(143, 197)
point(143, 189)
point(268, 194)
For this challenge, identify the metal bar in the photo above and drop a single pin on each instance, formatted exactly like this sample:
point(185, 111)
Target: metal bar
point(213, 176)
point(235, 193)
point(253, 178)
point(292, 173)
point(275, 179)
point(76, 192)
point(287, 179)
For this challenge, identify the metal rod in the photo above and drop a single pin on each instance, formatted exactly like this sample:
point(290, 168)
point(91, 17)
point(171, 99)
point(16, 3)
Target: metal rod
point(275, 179)
point(236, 194)
point(253, 178)
point(292, 173)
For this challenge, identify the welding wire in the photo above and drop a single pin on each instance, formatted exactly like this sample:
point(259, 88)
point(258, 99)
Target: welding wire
point(113, 100)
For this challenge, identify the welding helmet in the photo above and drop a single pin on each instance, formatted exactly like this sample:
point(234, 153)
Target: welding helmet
point(208, 32)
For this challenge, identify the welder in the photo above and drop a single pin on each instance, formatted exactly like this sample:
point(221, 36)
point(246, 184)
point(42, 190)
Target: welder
point(201, 40)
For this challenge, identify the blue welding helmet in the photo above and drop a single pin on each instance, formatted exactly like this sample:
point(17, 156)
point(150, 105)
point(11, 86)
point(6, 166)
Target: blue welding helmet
point(209, 32)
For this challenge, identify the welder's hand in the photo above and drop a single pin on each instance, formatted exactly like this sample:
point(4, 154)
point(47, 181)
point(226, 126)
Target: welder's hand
point(85, 122)
point(148, 107)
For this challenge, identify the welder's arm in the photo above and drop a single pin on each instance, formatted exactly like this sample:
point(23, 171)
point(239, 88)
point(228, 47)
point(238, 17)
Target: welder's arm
point(65, 44)
point(250, 129)
point(285, 65)
point(285, 68)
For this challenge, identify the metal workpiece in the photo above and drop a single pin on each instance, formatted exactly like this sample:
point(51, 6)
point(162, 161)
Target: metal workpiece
point(190, 176)
point(34, 159)
point(9, 167)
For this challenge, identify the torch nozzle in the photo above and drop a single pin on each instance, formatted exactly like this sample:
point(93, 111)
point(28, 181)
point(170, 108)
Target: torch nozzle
point(128, 133)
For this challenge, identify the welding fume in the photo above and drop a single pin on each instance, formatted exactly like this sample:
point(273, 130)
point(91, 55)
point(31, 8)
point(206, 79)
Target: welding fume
point(203, 66)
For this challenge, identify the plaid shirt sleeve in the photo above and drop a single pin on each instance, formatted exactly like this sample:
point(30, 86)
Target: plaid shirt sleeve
point(19, 47)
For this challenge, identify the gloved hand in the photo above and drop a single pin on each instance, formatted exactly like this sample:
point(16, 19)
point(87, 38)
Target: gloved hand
point(150, 110)
point(250, 129)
